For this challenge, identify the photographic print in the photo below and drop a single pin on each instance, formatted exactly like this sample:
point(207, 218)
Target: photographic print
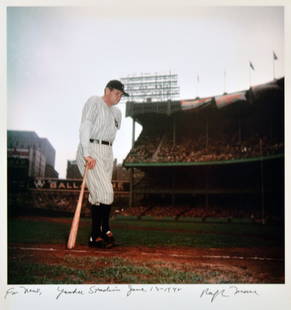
point(145, 151)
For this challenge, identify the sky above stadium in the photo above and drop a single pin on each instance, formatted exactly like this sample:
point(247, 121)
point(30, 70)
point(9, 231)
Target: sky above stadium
point(58, 57)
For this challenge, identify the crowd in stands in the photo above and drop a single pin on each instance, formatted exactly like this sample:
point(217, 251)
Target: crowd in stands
point(221, 213)
point(144, 147)
point(161, 148)
point(192, 212)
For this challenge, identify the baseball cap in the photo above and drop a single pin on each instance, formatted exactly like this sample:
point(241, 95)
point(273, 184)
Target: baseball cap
point(117, 85)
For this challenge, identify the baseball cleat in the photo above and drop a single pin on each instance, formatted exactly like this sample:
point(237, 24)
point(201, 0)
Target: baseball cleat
point(97, 243)
point(109, 240)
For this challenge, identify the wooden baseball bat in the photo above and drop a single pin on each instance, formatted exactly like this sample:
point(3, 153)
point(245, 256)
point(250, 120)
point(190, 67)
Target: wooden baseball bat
point(76, 220)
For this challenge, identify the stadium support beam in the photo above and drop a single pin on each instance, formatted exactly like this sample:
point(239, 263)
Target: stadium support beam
point(131, 189)
point(262, 183)
point(133, 132)
point(174, 131)
point(131, 193)
point(206, 187)
point(239, 132)
point(207, 130)
point(173, 198)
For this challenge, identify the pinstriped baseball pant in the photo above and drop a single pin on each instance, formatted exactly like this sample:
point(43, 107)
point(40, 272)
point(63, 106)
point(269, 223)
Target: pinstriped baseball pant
point(99, 178)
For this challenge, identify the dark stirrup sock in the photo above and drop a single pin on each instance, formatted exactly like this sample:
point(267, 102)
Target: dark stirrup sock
point(105, 217)
point(96, 215)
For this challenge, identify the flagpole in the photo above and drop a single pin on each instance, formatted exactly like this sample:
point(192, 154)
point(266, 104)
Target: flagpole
point(251, 66)
point(250, 76)
point(224, 81)
point(275, 57)
point(197, 82)
point(274, 68)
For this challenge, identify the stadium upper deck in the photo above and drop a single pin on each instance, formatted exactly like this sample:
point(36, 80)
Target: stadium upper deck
point(243, 126)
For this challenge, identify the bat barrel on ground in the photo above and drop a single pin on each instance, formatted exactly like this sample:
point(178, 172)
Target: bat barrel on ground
point(76, 220)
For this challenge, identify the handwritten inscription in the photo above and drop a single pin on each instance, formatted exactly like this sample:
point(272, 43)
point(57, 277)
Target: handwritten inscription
point(10, 292)
point(166, 289)
point(95, 289)
point(63, 291)
point(226, 293)
point(130, 290)
point(153, 289)
point(23, 290)
point(214, 294)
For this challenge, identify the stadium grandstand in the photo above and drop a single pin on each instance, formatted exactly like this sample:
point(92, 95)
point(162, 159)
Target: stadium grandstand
point(220, 156)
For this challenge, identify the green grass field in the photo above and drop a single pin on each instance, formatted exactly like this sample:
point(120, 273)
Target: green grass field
point(28, 267)
point(129, 231)
point(115, 270)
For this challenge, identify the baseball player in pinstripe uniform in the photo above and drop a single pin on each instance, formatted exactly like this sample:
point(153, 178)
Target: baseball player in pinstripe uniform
point(100, 121)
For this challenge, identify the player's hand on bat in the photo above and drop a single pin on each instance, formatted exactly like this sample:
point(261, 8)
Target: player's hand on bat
point(90, 162)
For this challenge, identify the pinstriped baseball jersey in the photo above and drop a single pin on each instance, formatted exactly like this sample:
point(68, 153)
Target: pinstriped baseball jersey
point(99, 121)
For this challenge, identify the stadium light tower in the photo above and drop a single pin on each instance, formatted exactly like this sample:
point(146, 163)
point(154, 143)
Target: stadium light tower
point(151, 87)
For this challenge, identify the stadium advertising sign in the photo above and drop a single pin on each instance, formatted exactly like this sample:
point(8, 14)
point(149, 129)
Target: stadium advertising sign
point(39, 183)
point(19, 153)
point(70, 185)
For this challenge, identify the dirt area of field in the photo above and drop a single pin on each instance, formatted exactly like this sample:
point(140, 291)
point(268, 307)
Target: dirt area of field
point(260, 265)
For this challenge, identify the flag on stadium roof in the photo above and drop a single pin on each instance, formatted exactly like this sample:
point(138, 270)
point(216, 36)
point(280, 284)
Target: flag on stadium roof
point(252, 66)
point(225, 100)
point(275, 57)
